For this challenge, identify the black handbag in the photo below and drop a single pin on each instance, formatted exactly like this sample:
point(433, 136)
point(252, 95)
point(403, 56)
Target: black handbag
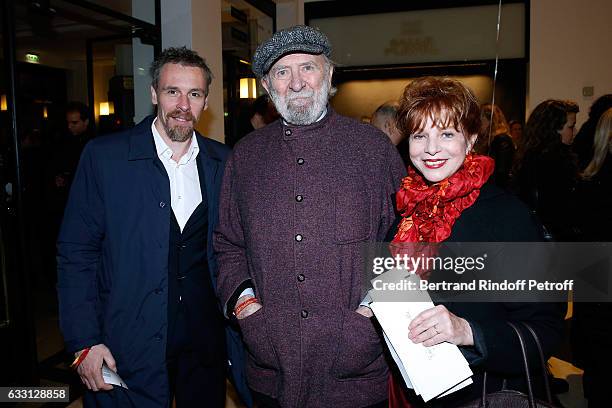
point(515, 399)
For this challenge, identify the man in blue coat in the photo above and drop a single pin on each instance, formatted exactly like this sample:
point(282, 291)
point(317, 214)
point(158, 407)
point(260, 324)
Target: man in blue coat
point(135, 261)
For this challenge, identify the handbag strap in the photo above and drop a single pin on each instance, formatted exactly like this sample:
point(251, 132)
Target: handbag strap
point(483, 398)
point(542, 361)
point(526, 365)
point(483, 401)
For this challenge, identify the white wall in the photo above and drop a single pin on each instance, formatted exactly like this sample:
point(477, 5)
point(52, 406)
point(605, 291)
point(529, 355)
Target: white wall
point(142, 59)
point(196, 24)
point(570, 49)
point(207, 41)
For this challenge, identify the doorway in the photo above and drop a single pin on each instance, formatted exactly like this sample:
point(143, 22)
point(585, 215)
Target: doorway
point(57, 56)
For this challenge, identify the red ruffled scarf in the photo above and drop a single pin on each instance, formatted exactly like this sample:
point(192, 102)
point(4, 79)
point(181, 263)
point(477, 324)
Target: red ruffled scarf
point(429, 212)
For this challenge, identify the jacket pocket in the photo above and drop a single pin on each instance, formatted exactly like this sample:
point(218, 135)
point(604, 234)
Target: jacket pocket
point(360, 352)
point(353, 217)
point(258, 345)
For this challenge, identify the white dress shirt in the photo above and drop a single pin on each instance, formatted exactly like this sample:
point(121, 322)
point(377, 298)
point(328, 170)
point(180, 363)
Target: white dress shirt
point(185, 190)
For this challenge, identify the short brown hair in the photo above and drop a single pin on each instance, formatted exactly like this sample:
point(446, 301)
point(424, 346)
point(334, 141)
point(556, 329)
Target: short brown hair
point(181, 56)
point(446, 101)
point(80, 108)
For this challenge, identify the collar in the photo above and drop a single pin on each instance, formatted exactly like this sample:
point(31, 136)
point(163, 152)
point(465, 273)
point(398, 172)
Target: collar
point(290, 131)
point(164, 151)
point(320, 117)
point(142, 145)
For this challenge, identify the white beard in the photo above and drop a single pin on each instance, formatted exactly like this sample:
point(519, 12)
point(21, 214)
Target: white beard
point(302, 114)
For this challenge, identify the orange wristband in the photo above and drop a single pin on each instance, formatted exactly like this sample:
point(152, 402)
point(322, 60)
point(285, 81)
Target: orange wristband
point(77, 361)
point(244, 304)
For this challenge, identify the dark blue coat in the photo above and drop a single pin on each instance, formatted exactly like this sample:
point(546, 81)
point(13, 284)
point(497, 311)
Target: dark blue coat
point(113, 259)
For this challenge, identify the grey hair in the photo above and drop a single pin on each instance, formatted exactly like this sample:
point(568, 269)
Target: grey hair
point(388, 109)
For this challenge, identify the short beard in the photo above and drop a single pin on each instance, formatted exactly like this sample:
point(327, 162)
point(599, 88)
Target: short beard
point(302, 114)
point(178, 133)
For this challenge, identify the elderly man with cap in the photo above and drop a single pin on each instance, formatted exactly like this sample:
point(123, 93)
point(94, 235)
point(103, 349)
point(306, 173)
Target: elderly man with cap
point(299, 198)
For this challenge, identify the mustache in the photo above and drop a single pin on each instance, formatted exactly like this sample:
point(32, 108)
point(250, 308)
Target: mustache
point(181, 115)
point(301, 94)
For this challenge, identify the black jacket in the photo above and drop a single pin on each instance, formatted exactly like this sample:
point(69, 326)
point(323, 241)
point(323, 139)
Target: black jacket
point(502, 151)
point(591, 340)
point(497, 216)
point(594, 200)
point(547, 184)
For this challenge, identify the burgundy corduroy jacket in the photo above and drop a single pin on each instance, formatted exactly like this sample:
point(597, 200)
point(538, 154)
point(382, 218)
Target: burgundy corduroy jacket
point(297, 203)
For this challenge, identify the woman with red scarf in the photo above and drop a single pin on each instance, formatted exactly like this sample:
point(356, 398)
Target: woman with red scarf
point(446, 197)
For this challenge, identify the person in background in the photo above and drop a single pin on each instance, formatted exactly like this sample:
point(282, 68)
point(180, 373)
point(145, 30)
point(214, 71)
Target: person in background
point(257, 115)
point(65, 154)
point(595, 192)
point(299, 199)
point(496, 142)
point(516, 131)
point(61, 166)
point(77, 118)
point(547, 169)
point(67, 150)
point(263, 112)
point(135, 261)
point(447, 197)
point(591, 340)
point(583, 144)
point(384, 119)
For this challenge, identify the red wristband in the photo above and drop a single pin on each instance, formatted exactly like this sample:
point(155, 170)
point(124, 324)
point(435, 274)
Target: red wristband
point(77, 361)
point(244, 304)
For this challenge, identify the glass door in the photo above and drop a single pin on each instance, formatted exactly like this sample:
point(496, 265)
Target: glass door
point(67, 74)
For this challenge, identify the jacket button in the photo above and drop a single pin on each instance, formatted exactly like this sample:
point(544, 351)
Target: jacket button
point(299, 237)
point(300, 161)
point(288, 132)
point(181, 277)
point(159, 291)
point(162, 204)
point(301, 277)
point(299, 198)
point(158, 337)
point(304, 313)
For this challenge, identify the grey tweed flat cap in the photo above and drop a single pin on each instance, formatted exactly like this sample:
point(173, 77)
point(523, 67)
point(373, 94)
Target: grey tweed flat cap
point(296, 39)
